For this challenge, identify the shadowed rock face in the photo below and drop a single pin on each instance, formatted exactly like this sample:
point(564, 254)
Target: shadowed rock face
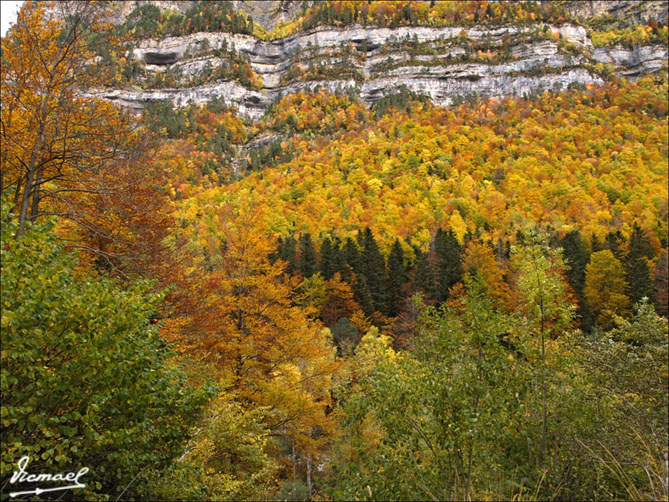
point(160, 58)
point(266, 13)
point(635, 62)
point(270, 13)
point(634, 11)
point(376, 61)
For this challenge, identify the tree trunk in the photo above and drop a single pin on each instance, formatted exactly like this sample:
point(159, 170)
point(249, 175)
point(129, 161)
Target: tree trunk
point(32, 167)
point(25, 202)
point(543, 387)
point(34, 210)
point(468, 481)
point(294, 496)
point(309, 485)
point(17, 195)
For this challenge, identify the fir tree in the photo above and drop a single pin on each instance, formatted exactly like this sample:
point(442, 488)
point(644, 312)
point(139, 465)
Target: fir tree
point(595, 244)
point(306, 263)
point(374, 270)
point(338, 259)
point(449, 262)
point(639, 280)
point(351, 257)
point(362, 295)
point(615, 242)
point(288, 253)
point(423, 279)
point(327, 265)
point(576, 255)
point(396, 278)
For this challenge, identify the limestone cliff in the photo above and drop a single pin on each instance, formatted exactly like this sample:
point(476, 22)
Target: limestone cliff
point(446, 64)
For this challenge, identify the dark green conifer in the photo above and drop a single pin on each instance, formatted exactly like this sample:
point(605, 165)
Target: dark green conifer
point(351, 257)
point(306, 263)
point(374, 270)
point(615, 242)
point(286, 251)
point(576, 256)
point(362, 295)
point(449, 262)
point(396, 278)
point(326, 262)
point(423, 279)
point(636, 265)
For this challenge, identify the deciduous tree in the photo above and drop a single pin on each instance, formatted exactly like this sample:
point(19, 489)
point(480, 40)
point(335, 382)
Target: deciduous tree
point(56, 141)
point(605, 287)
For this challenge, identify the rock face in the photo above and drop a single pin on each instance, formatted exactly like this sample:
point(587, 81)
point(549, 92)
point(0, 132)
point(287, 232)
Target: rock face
point(632, 63)
point(446, 64)
point(267, 13)
point(634, 11)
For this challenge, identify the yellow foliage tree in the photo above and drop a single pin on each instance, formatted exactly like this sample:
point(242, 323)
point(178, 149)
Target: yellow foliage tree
point(56, 142)
point(605, 287)
point(479, 258)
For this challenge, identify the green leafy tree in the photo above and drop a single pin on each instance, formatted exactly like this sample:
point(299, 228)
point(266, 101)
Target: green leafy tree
point(544, 297)
point(627, 374)
point(232, 452)
point(86, 380)
point(428, 425)
point(662, 284)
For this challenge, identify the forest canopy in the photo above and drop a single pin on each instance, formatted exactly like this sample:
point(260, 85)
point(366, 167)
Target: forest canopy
point(338, 301)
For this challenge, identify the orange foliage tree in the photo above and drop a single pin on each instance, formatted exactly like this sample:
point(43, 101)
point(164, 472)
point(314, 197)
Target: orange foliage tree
point(479, 258)
point(67, 154)
point(243, 317)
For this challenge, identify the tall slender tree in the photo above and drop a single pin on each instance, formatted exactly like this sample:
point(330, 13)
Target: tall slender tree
point(637, 270)
point(396, 278)
point(542, 286)
point(326, 263)
point(576, 256)
point(352, 259)
point(449, 262)
point(306, 261)
point(374, 270)
point(605, 287)
point(423, 276)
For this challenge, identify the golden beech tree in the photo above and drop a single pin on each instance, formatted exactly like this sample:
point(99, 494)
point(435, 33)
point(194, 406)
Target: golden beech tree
point(56, 142)
point(74, 156)
point(605, 287)
point(243, 317)
point(480, 258)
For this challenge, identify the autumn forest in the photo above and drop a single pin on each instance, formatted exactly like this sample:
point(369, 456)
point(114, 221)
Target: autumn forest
point(346, 298)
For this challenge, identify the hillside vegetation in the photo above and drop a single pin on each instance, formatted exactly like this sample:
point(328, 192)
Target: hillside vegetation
point(336, 301)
